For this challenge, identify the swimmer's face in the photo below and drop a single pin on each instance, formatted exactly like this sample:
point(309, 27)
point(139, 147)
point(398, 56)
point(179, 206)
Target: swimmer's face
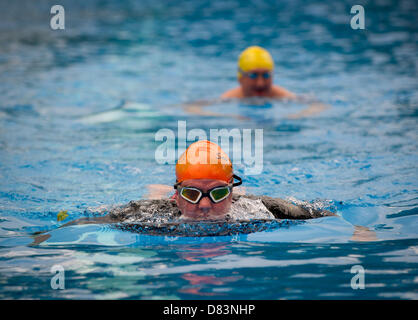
point(256, 86)
point(205, 209)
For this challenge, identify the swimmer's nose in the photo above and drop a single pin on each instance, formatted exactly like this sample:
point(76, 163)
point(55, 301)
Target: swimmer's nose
point(260, 82)
point(205, 204)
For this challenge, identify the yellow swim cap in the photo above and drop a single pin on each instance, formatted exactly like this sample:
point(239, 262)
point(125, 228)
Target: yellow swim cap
point(204, 160)
point(253, 58)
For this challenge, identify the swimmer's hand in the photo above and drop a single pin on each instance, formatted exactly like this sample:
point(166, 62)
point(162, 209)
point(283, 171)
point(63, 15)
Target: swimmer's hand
point(313, 109)
point(157, 191)
point(239, 191)
point(197, 108)
point(363, 234)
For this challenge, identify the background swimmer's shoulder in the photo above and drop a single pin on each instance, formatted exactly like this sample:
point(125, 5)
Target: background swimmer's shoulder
point(235, 93)
point(280, 92)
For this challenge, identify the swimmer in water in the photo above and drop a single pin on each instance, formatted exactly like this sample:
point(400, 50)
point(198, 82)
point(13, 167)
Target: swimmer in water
point(203, 191)
point(255, 77)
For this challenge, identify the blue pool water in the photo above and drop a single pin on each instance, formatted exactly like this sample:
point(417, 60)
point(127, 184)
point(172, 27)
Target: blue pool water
point(67, 143)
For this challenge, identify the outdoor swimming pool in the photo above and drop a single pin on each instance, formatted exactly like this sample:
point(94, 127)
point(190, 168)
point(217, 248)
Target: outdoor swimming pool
point(62, 149)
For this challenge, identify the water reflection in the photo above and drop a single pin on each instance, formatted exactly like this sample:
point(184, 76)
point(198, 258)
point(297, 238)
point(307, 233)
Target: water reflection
point(205, 284)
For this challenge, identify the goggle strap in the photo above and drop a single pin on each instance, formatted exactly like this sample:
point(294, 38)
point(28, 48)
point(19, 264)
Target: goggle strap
point(235, 184)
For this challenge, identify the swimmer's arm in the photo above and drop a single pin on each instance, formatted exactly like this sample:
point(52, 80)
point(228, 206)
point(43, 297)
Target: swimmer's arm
point(282, 209)
point(314, 108)
point(196, 107)
point(363, 234)
point(39, 237)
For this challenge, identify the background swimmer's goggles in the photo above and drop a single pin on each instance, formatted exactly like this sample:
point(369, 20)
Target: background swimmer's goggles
point(216, 195)
point(254, 75)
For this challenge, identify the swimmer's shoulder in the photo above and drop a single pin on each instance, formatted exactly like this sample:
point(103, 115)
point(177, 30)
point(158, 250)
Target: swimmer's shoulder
point(282, 209)
point(277, 93)
point(282, 93)
point(235, 93)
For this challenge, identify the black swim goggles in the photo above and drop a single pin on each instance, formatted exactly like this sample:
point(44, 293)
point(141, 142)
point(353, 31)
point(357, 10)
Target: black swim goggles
point(216, 195)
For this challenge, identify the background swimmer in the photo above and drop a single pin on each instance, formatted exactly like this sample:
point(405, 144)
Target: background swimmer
point(255, 76)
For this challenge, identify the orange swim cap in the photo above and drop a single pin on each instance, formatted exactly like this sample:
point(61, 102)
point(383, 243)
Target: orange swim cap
point(204, 160)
